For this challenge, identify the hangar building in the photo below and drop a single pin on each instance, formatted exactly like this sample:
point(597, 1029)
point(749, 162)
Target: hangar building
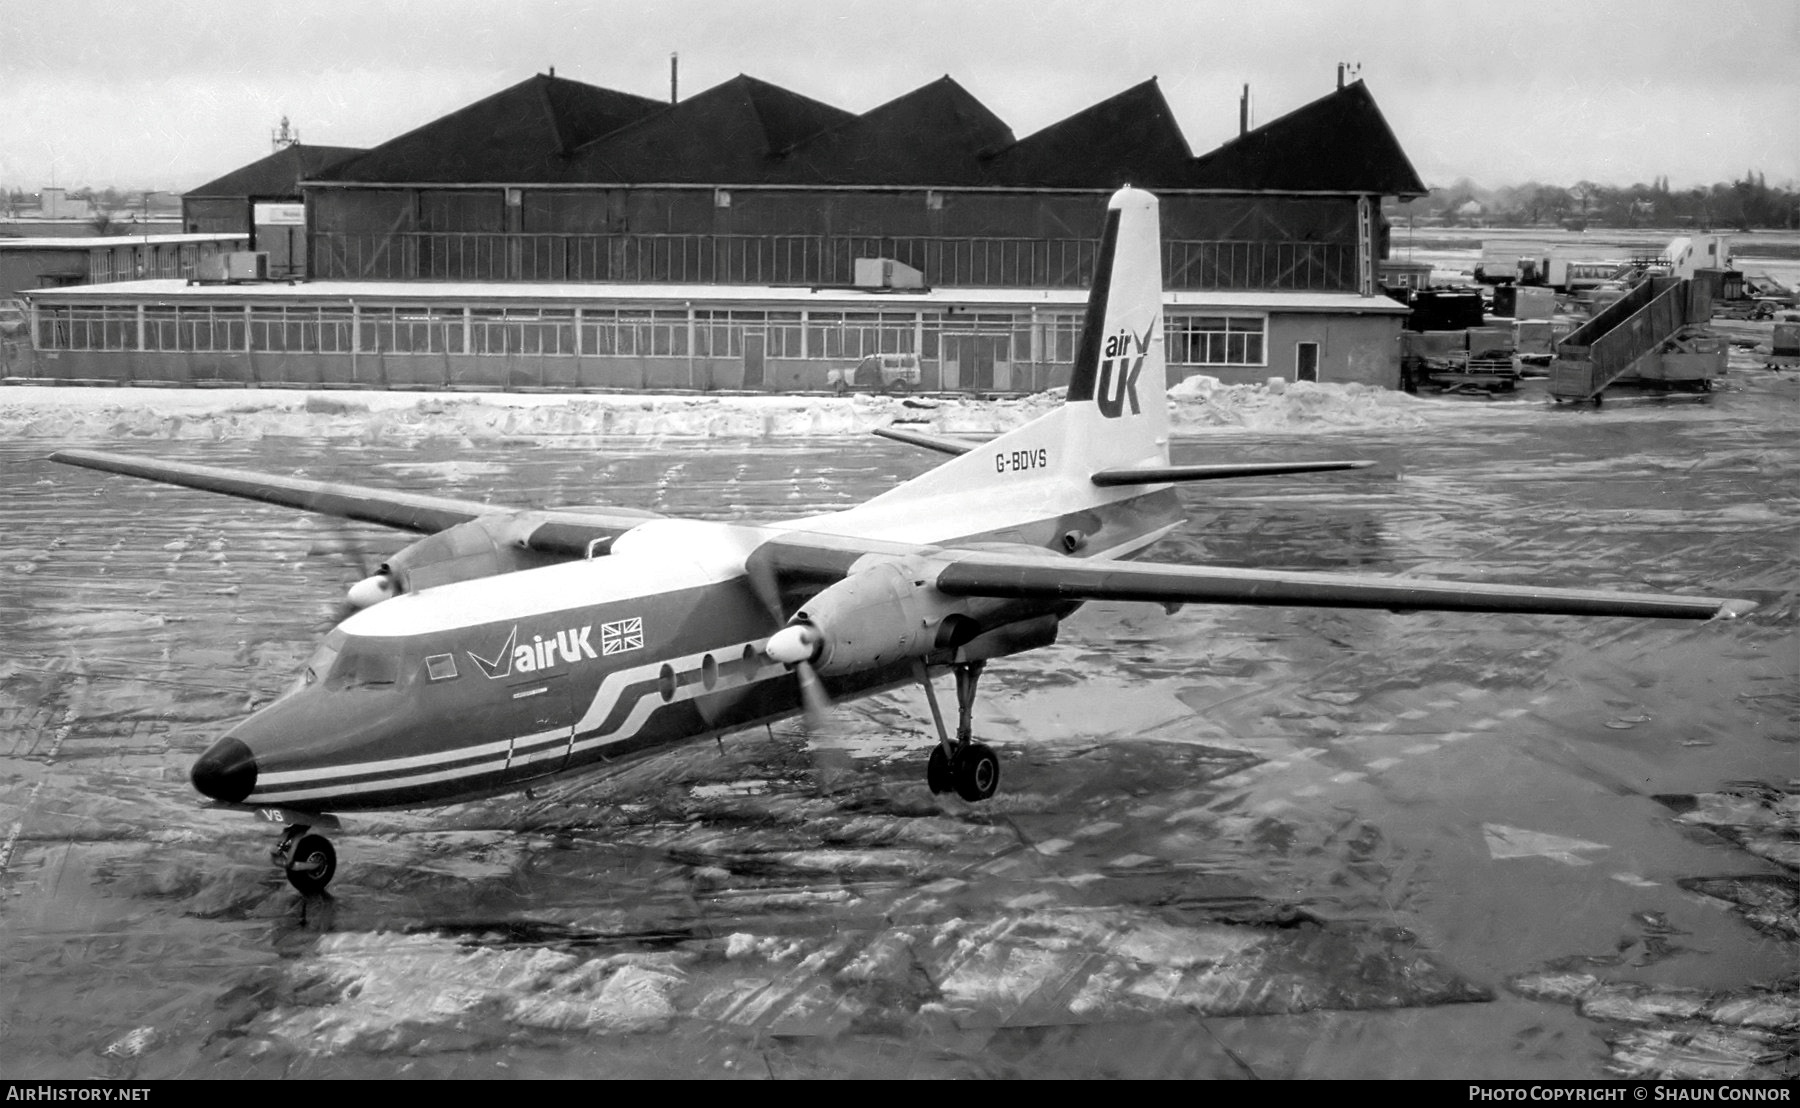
point(263, 200)
point(558, 234)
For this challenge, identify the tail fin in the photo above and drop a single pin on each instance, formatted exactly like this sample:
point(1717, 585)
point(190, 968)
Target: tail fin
point(1116, 415)
point(1118, 411)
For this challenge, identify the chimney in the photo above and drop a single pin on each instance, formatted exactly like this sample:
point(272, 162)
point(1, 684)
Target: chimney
point(674, 62)
point(1244, 112)
point(1340, 75)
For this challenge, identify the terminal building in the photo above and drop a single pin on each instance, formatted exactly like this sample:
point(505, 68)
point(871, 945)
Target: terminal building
point(560, 235)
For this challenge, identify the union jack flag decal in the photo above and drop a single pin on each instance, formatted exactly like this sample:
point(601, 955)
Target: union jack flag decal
point(617, 638)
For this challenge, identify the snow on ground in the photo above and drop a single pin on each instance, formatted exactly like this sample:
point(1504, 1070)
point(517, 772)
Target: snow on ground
point(1198, 405)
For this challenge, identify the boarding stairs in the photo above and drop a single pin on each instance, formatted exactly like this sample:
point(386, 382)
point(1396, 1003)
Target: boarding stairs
point(1624, 338)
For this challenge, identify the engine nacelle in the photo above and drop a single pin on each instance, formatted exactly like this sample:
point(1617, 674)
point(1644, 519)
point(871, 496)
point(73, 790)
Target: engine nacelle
point(482, 547)
point(881, 614)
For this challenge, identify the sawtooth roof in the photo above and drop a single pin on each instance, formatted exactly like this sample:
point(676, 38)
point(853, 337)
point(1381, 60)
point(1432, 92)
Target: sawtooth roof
point(937, 134)
point(278, 174)
point(522, 133)
point(747, 132)
point(732, 133)
point(1128, 139)
point(1337, 143)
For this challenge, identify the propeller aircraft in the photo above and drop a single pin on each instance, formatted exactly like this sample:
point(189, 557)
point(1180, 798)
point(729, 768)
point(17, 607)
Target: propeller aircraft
point(510, 646)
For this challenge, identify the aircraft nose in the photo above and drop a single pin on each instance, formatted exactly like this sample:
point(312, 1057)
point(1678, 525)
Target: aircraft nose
point(227, 771)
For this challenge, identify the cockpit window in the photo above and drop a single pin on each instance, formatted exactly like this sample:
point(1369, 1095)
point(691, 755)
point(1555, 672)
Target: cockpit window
point(318, 667)
point(441, 667)
point(361, 666)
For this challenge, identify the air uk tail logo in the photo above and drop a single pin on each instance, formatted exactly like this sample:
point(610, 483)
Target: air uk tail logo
point(1120, 364)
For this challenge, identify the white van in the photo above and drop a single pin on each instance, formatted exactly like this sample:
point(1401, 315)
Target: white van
point(892, 373)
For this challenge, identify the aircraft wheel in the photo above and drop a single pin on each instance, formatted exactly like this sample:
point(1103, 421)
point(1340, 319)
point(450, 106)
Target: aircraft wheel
point(937, 771)
point(311, 864)
point(977, 772)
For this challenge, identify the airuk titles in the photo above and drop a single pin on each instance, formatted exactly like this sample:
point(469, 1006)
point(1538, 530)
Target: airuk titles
point(567, 646)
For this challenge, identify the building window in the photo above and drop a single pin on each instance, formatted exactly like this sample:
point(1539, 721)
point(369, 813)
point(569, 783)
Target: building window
point(849, 336)
point(1215, 340)
point(634, 333)
point(159, 328)
point(107, 327)
point(1062, 333)
point(209, 330)
point(412, 330)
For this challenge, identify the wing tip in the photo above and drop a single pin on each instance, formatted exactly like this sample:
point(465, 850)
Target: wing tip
point(1735, 607)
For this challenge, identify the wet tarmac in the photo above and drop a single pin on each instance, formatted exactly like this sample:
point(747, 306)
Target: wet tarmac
point(1230, 842)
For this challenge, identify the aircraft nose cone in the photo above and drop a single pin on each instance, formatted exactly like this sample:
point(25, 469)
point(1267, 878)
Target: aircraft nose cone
point(227, 771)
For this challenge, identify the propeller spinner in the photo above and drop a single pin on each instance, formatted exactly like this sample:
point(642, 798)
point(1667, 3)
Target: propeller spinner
point(373, 589)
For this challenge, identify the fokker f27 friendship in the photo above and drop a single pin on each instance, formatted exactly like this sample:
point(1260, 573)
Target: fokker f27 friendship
point(510, 646)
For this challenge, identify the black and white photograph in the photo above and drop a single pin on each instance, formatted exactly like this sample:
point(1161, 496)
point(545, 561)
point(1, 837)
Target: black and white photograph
point(845, 541)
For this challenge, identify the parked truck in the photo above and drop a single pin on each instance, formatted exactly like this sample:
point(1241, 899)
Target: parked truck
point(1564, 269)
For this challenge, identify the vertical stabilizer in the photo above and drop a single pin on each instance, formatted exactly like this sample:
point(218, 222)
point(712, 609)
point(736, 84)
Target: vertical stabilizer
point(1116, 415)
point(1118, 410)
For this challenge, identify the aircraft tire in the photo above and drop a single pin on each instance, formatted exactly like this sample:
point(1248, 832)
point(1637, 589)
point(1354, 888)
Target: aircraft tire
point(937, 771)
point(311, 864)
point(977, 772)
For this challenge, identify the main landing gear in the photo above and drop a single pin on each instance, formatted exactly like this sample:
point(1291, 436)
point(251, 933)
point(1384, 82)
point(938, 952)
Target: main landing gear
point(307, 859)
point(969, 768)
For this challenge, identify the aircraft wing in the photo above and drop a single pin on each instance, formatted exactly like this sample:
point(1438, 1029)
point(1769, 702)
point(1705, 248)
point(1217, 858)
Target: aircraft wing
point(560, 532)
point(943, 444)
point(995, 574)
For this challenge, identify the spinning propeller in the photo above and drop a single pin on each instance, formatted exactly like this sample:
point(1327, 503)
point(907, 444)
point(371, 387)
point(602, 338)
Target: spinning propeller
point(375, 582)
point(796, 645)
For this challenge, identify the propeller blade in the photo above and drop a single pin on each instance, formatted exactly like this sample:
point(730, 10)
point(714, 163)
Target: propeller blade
point(813, 695)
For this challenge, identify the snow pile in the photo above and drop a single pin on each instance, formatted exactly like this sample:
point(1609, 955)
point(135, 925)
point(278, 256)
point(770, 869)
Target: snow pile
point(1198, 404)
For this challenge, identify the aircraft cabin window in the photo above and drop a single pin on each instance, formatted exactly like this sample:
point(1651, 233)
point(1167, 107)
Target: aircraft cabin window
point(441, 667)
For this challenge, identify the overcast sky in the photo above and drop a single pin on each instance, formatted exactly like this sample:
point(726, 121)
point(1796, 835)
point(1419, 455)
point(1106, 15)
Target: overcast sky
point(172, 93)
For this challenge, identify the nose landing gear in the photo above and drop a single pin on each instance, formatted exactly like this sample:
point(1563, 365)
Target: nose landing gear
point(970, 768)
point(308, 860)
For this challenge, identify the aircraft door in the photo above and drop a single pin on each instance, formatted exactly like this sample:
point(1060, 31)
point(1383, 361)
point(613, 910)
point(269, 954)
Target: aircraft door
point(541, 721)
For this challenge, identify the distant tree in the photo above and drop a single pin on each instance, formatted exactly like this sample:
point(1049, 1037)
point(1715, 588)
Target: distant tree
point(1746, 202)
point(102, 221)
point(1549, 202)
point(1585, 193)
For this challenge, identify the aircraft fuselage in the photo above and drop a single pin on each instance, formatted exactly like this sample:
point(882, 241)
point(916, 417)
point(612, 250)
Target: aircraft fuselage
point(483, 686)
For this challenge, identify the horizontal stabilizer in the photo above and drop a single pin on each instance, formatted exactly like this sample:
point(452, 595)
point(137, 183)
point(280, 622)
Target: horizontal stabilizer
point(995, 575)
point(943, 444)
point(1158, 475)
